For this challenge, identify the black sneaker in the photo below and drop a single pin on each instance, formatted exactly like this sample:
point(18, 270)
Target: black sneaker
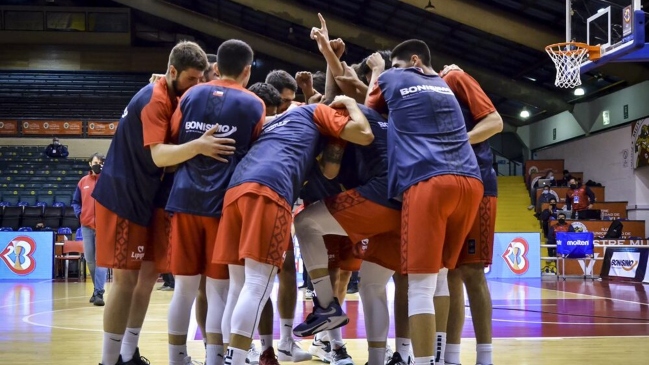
point(137, 359)
point(396, 360)
point(99, 299)
point(92, 298)
point(341, 357)
point(119, 360)
point(352, 288)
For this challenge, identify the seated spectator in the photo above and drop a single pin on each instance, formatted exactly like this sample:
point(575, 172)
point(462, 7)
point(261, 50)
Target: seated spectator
point(549, 175)
point(547, 214)
point(547, 195)
point(578, 198)
point(561, 226)
point(56, 149)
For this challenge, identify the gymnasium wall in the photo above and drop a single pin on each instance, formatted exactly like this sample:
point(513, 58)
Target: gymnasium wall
point(78, 147)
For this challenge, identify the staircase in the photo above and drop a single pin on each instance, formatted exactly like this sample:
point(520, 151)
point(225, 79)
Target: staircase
point(513, 199)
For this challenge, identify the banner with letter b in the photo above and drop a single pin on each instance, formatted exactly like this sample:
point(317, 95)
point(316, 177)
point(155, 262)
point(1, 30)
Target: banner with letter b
point(575, 244)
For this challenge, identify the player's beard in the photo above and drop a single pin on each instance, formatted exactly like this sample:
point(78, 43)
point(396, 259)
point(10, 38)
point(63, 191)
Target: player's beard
point(177, 91)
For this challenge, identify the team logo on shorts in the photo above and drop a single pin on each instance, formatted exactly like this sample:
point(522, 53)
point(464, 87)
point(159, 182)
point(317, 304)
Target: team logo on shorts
point(515, 256)
point(18, 255)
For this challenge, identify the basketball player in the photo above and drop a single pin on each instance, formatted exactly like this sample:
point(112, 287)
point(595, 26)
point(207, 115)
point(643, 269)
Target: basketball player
point(482, 122)
point(285, 84)
point(131, 234)
point(358, 213)
point(288, 349)
point(256, 225)
point(212, 72)
point(436, 173)
point(197, 194)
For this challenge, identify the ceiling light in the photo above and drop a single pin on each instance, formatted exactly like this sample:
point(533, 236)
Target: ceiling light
point(525, 114)
point(579, 91)
point(429, 6)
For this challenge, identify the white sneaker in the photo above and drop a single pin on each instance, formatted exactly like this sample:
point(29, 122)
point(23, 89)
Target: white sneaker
point(289, 350)
point(253, 355)
point(188, 361)
point(321, 349)
point(308, 294)
point(341, 357)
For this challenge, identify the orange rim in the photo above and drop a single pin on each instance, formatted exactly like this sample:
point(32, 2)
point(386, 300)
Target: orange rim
point(571, 48)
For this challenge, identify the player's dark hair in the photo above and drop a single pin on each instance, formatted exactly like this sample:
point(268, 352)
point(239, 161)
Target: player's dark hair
point(186, 55)
point(211, 58)
point(319, 81)
point(281, 80)
point(98, 155)
point(364, 69)
point(406, 49)
point(233, 56)
point(267, 93)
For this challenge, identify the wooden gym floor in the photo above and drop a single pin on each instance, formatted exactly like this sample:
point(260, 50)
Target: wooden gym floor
point(535, 322)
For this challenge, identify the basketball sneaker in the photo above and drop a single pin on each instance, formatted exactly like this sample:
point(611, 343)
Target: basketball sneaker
point(341, 357)
point(321, 348)
point(289, 350)
point(396, 359)
point(137, 359)
point(99, 299)
point(321, 319)
point(253, 355)
point(268, 357)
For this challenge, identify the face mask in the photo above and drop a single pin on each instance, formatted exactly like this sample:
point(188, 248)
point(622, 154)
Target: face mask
point(553, 205)
point(562, 221)
point(573, 186)
point(546, 191)
point(96, 168)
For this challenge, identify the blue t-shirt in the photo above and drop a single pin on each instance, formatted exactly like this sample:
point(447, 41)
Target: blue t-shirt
point(372, 162)
point(287, 148)
point(201, 182)
point(130, 179)
point(427, 136)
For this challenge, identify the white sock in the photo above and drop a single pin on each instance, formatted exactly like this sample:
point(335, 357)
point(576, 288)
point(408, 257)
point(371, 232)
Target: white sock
point(426, 360)
point(129, 344)
point(236, 356)
point(440, 347)
point(286, 329)
point(336, 338)
point(323, 291)
point(402, 347)
point(452, 353)
point(177, 354)
point(112, 346)
point(214, 355)
point(266, 342)
point(484, 353)
point(377, 356)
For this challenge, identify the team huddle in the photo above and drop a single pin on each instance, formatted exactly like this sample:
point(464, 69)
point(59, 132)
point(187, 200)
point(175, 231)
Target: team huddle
point(390, 160)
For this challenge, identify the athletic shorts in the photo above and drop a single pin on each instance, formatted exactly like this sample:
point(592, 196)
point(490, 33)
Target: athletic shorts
point(255, 224)
point(479, 245)
point(362, 218)
point(341, 253)
point(436, 218)
point(192, 242)
point(383, 249)
point(122, 244)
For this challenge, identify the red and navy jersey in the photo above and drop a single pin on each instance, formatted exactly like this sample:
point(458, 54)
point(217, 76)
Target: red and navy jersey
point(130, 179)
point(427, 136)
point(200, 183)
point(475, 105)
point(372, 162)
point(287, 148)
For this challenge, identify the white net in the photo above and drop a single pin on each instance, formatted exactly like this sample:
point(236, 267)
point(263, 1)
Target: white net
point(568, 59)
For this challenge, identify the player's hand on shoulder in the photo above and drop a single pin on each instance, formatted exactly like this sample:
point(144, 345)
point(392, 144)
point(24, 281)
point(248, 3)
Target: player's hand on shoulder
point(445, 71)
point(342, 101)
point(155, 77)
point(216, 147)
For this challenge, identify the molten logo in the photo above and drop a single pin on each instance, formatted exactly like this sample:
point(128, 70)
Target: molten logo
point(18, 255)
point(515, 256)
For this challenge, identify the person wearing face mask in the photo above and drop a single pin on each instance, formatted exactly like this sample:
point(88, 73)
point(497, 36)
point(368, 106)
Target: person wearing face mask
point(561, 226)
point(547, 214)
point(84, 207)
point(579, 197)
point(547, 195)
point(56, 149)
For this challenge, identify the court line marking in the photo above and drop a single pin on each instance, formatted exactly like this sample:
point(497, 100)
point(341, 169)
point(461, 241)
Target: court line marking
point(41, 301)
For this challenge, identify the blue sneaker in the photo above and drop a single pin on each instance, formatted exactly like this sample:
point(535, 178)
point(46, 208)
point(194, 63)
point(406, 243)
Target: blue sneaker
point(321, 319)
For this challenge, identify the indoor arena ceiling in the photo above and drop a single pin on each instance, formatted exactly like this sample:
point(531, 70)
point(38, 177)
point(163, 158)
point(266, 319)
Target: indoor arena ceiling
point(500, 42)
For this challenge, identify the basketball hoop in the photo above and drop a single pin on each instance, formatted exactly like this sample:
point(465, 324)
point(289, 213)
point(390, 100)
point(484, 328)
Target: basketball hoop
point(568, 57)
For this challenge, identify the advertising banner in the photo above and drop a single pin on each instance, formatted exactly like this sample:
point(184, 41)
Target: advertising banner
point(516, 255)
point(26, 255)
point(52, 127)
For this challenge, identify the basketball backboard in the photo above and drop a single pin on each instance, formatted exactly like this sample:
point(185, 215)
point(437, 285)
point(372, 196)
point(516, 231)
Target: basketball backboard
point(617, 26)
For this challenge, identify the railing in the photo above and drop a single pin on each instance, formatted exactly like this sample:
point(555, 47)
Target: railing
point(505, 166)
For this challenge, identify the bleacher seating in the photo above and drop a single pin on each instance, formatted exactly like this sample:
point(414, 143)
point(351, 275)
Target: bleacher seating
point(35, 190)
